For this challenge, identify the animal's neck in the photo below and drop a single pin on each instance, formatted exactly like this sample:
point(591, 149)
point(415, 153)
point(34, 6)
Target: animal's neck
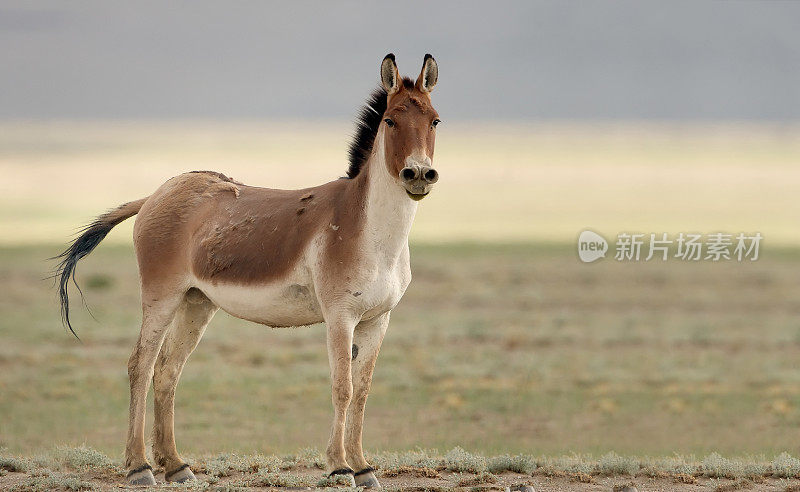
point(389, 210)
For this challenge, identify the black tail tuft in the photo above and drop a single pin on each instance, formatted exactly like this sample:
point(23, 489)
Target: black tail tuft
point(90, 237)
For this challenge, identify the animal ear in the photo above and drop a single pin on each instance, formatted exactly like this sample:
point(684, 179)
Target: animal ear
point(389, 74)
point(429, 75)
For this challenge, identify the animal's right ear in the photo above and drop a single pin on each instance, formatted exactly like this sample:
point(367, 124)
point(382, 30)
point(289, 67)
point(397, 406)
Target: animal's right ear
point(390, 78)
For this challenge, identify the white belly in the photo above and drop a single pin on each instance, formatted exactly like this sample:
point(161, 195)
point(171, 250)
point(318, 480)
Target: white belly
point(293, 301)
point(279, 304)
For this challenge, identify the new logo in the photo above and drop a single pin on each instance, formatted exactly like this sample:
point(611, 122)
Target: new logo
point(591, 246)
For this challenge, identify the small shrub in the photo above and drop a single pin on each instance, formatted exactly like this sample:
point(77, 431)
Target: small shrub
point(230, 488)
point(218, 466)
point(421, 471)
point(312, 457)
point(418, 458)
point(614, 464)
point(260, 462)
point(624, 487)
point(684, 478)
point(756, 469)
point(48, 461)
point(461, 461)
point(288, 461)
point(481, 478)
point(666, 466)
point(12, 464)
point(83, 457)
point(273, 479)
point(224, 465)
point(716, 466)
point(518, 464)
point(334, 481)
point(563, 465)
point(52, 481)
point(739, 484)
point(786, 466)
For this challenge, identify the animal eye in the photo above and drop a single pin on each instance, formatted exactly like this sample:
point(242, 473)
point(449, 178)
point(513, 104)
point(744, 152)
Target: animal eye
point(436, 122)
point(389, 122)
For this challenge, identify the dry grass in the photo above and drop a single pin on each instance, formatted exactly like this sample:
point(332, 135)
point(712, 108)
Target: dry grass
point(506, 350)
point(410, 470)
point(478, 479)
point(503, 349)
point(500, 182)
point(54, 470)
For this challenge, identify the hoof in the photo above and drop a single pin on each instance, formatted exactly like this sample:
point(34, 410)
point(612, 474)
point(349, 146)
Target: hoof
point(345, 472)
point(181, 475)
point(366, 478)
point(141, 476)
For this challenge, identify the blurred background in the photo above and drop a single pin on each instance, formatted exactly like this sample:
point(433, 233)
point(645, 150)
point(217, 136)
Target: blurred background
point(621, 116)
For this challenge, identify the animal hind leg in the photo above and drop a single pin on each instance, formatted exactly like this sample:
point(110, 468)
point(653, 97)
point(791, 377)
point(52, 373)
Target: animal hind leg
point(158, 313)
point(193, 315)
point(367, 340)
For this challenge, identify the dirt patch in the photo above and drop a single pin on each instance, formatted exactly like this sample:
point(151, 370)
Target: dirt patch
point(403, 478)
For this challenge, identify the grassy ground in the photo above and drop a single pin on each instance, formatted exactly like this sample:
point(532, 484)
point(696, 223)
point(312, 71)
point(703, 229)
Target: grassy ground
point(502, 349)
point(87, 469)
point(504, 344)
point(84, 468)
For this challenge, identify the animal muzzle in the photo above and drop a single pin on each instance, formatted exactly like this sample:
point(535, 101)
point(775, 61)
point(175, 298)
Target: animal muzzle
point(418, 180)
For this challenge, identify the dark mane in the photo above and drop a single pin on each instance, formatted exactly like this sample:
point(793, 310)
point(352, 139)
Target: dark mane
point(367, 123)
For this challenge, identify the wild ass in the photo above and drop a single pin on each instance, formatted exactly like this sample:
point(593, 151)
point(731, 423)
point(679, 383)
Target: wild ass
point(336, 253)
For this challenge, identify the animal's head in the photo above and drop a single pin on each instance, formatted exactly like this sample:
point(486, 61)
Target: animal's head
point(409, 125)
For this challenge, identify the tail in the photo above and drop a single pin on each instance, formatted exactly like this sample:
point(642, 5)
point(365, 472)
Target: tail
point(90, 237)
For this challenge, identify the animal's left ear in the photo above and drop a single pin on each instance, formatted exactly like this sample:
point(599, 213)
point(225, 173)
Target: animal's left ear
point(429, 74)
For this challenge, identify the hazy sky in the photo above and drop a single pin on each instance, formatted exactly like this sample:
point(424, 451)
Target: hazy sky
point(500, 59)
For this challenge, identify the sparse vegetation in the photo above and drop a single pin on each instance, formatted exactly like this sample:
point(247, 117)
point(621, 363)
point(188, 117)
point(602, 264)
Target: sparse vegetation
point(421, 471)
point(420, 458)
point(786, 466)
point(669, 465)
point(225, 465)
point(478, 479)
point(716, 466)
point(614, 464)
point(518, 463)
point(506, 346)
point(47, 480)
point(739, 484)
point(83, 457)
point(9, 463)
point(85, 468)
point(462, 461)
point(275, 479)
point(566, 465)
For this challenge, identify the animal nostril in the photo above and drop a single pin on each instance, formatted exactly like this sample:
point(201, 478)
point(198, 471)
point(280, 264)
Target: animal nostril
point(407, 174)
point(431, 176)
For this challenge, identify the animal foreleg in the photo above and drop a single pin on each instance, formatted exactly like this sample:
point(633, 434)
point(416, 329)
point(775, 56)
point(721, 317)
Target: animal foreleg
point(340, 342)
point(367, 340)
